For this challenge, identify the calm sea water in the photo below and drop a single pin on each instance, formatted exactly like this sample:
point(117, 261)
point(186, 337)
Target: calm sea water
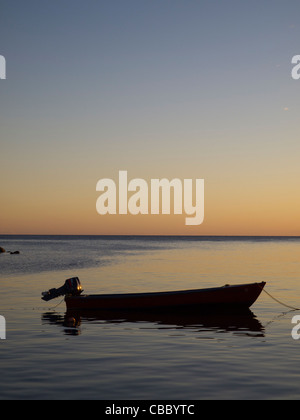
point(46, 356)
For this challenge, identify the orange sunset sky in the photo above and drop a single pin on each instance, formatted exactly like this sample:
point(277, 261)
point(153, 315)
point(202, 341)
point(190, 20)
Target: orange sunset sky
point(197, 89)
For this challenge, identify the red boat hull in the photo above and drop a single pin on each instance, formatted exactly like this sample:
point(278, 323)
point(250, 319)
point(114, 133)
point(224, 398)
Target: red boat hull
point(226, 297)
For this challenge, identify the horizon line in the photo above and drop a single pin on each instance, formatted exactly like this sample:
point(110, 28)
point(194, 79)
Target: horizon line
point(153, 235)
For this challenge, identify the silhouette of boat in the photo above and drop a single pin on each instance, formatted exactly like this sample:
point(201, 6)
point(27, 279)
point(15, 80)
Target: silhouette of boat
point(225, 298)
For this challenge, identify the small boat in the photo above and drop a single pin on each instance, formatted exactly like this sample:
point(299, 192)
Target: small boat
point(228, 297)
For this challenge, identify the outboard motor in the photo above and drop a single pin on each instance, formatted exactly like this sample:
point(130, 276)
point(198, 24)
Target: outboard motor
point(72, 287)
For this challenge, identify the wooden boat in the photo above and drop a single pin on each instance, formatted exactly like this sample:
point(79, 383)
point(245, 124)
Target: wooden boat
point(228, 297)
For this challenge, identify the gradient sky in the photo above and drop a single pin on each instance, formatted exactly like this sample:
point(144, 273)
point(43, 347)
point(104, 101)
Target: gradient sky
point(160, 88)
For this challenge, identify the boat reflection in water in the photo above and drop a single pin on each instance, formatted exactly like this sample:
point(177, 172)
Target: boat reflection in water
point(243, 323)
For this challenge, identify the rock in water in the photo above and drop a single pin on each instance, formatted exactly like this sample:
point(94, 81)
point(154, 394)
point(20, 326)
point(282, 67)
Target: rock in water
point(2, 250)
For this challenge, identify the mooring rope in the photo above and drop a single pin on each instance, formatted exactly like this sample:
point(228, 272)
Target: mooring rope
point(281, 303)
point(54, 307)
